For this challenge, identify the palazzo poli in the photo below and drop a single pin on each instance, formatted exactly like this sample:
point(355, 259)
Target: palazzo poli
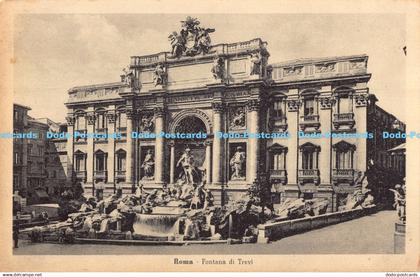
point(199, 87)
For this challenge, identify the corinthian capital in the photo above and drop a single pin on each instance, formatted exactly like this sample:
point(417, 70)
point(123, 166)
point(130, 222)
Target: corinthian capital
point(70, 120)
point(111, 117)
point(159, 111)
point(217, 107)
point(90, 117)
point(254, 105)
point(130, 113)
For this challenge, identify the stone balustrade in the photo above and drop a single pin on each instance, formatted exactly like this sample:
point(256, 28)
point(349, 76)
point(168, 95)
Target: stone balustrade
point(319, 68)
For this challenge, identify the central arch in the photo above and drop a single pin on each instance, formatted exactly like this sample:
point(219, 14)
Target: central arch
point(199, 118)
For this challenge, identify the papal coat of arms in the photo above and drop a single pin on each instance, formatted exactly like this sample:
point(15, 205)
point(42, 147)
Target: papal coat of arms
point(191, 40)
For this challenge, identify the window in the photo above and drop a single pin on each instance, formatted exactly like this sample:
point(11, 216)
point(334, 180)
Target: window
point(344, 160)
point(40, 150)
point(122, 120)
point(121, 161)
point(80, 122)
point(344, 104)
point(17, 158)
point(100, 121)
point(310, 154)
point(278, 162)
point(309, 106)
point(80, 162)
point(29, 167)
point(100, 161)
point(308, 160)
point(278, 110)
point(15, 182)
point(344, 155)
point(30, 149)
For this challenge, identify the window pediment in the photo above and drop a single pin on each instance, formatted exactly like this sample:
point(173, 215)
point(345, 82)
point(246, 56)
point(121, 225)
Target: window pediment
point(277, 148)
point(309, 147)
point(344, 146)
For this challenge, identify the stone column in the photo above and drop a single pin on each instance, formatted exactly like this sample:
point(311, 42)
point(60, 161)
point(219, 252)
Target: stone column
point(159, 146)
point(325, 117)
point(360, 114)
point(70, 150)
point(293, 143)
point(172, 169)
point(217, 177)
point(253, 145)
point(90, 118)
point(130, 147)
point(111, 148)
point(208, 162)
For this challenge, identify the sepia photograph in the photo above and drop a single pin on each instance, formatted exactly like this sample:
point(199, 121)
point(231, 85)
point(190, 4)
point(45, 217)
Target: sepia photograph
point(198, 134)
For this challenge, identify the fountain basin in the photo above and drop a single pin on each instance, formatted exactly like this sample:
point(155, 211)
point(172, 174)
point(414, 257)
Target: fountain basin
point(162, 222)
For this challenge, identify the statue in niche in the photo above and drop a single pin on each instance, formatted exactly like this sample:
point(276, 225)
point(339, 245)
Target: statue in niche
point(218, 68)
point(256, 62)
point(147, 123)
point(238, 118)
point(187, 163)
point(237, 164)
point(159, 75)
point(148, 165)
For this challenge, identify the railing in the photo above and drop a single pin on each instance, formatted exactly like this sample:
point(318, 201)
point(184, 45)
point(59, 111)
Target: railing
point(100, 174)
point(346, 173)
point(122, 131)
point(120, 174)
point(80, 135)
point(234, 47)
point(101, 132)
point(309, 118)
point(81, 174)
point(344, 117)
point(309, 173)
point(277, 173)
point(319, 68)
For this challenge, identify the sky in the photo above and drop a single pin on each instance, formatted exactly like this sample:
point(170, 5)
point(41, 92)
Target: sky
point(55, 52)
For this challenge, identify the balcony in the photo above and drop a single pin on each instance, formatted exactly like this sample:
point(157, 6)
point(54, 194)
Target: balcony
point(80, 136)
point(343, 119)
point(309, 176)
point(343, 175)
point(278, 123)
point(81, 175)
point(120, 174)
point(278, 175)
point(309, 121)
point(100, 174)
point(123, 132)
point(101, 134)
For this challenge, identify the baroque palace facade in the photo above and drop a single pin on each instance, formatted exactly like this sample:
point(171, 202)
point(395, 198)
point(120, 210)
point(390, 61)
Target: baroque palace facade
point(220, 89)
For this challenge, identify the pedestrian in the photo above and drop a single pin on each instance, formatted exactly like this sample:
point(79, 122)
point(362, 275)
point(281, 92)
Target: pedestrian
point(16, 234)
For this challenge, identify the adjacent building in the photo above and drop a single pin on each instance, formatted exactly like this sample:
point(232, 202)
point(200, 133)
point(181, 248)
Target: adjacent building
point(39, 163)
point(20, 146)
point(314, 118)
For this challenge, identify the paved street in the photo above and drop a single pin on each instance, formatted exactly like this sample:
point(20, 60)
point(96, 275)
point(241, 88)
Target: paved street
point(372, 234)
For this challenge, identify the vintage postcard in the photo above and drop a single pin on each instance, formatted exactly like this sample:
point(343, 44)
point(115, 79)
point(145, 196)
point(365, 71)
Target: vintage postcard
point(243, 136)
